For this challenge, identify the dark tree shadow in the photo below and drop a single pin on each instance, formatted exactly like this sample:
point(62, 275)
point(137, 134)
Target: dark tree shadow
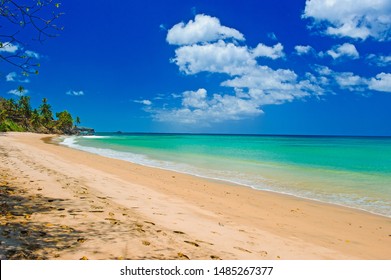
point(20, 237)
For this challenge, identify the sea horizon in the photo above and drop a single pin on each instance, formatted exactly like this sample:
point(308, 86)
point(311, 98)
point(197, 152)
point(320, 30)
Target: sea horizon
point(242, 134)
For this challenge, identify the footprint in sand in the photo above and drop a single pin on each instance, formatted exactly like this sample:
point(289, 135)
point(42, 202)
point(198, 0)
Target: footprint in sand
point(244, 250)
point(181, 255)
point(192, 243)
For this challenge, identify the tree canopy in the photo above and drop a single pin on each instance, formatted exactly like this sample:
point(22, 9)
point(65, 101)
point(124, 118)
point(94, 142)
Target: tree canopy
point(20, 116)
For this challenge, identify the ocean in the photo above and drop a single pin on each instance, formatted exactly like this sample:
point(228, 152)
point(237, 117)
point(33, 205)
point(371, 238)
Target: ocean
point(349, 171)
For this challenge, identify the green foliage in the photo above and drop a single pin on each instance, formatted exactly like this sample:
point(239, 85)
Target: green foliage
point(9, 125)
point(64, 122)
point(25, 110)
point(19, 116)
point(46, 113)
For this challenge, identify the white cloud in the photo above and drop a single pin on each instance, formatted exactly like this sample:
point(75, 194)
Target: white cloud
point(8, 47)
point(216, 109)
point(348, 80)
point(75, 93)
point(17, 92)
point(32, 54)
point(264, 78)
point(271, 52)
point(195, 99)
point(254, 88)
point(204, 28)
point(382, 82)
point(347, 49)
point(11, 77)
point(301, 50)
point(379, 60)
point(219, 57)
point(250, 84)
point(14, 77)
point(351, 18)
point(352, 82)
point(144, 102)
point(323, 70)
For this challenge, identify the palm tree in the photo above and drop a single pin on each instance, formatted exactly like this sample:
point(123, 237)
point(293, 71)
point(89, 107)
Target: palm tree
point(35, 119)
point(77, 121)
point(64, 121)
point(11, 109)
point(46, 113)
point(25, 110)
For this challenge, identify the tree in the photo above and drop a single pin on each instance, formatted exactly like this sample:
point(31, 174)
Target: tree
point(64, 121)
point(19, 19)
point(19, 116)
point(46, 113)
point(25, 109)
point(77, 121)
point(11, 109)
point(35, 119)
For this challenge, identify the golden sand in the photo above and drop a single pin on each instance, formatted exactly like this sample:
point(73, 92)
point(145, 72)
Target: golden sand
point(60, 203)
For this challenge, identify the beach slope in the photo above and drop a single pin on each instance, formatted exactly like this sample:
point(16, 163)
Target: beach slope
point(60, 203)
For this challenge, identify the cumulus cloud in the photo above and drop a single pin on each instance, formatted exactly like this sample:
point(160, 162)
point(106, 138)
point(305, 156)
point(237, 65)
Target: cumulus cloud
point(382, 82)
point(347, 50)
point(204, 28)
point(195, 99)
point(347, 80)
point(350, 18)
point(248, 84)
point(8, 47)
point(379, 60)
point(219, 57)
point(18, 92)
point(75, 92)
point(254, 87)
point(271, 52)
point(11, 77)
point(32, 54)
point(198, 108)
point(206, 46)
point(352, 82)
point(14, 77)
point(302, 50)
point(144, 102)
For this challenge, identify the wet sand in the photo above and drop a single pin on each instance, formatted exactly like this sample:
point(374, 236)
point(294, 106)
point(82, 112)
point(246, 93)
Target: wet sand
point(60, 203)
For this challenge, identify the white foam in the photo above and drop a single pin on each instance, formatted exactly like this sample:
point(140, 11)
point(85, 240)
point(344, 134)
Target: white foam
point(259, 183)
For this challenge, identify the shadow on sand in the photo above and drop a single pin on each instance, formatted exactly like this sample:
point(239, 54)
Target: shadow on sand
point(20, 237)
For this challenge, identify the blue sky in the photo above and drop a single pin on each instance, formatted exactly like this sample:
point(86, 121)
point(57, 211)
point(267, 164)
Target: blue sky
point(272, 67)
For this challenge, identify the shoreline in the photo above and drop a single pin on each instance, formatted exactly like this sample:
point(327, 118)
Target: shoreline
point(57, 141)
point(171, 215)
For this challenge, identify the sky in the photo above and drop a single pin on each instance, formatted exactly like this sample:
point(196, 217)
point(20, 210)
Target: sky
point(319, 67)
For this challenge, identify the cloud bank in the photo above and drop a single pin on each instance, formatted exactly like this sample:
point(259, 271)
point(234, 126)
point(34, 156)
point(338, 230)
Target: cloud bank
point(351, 18)
point(247, 83)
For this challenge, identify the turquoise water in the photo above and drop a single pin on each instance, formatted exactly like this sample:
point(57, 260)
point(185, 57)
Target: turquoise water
point(349, 171)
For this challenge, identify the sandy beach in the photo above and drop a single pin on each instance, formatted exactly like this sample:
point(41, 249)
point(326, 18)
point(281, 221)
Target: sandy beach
point(60, 203)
